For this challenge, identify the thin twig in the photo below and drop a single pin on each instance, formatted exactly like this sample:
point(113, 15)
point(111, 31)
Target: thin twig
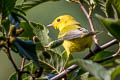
point(89, 19)
point(0, 18)
point(73, 67)
point(10, 58)
point(23, 63)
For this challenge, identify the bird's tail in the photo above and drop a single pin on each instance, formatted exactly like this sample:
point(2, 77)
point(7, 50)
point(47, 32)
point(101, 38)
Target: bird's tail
point(93, 33)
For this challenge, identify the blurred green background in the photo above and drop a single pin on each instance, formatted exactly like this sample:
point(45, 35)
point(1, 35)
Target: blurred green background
point(45, 13)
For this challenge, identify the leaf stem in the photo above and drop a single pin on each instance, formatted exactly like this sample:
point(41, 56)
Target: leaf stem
point(23, 63)
point(49, 66)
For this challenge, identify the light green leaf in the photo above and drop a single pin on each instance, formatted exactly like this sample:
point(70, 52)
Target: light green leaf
point(52, 64)
point(84, 76)
point(113, 26)
point(115, 73)
point(95, 69)
point(41, 32)
point(92, 78)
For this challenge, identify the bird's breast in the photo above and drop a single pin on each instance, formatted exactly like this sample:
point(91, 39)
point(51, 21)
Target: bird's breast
point(78, 44)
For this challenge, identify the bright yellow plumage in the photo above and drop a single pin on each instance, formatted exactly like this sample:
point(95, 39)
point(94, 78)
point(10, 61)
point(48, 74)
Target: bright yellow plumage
point(75, 39)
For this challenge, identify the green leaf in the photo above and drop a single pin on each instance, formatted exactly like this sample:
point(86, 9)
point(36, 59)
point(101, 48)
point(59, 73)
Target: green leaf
point(84, 76)
point(92, 78)
point(55, 43)
point(13, 76)
point(109, 8)
point(103, 54)
point(6, 7)
point(30, 67)
point(39, 46)
point(53, 64)
point(113, 26)
point(27, 49)
point(28, 4)
point(115, 73)
point(28, 31)
point(41, 32)
point(95, 69)
point(116, 4)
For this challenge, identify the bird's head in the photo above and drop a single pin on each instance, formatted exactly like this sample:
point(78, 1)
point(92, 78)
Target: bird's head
point(63, 21)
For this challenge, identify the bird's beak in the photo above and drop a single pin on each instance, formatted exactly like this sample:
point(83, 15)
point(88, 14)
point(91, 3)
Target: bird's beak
point(50, 25)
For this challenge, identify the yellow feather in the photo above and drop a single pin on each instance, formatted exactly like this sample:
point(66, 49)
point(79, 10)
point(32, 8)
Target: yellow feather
point(72, 33)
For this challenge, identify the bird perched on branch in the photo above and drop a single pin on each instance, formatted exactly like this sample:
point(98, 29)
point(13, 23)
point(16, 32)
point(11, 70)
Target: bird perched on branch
point(76, 38)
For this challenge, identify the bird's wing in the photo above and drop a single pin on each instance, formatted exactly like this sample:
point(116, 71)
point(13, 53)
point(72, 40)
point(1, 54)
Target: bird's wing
point(73, 34)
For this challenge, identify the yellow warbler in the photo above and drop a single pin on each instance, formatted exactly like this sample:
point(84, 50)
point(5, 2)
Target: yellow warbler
point(76, 38)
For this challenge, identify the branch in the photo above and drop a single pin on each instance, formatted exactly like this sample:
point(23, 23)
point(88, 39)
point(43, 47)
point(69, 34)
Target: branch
point(62, 74)
point(10, 58)
point(100, 48)
point(89, 19)
point(73, 67)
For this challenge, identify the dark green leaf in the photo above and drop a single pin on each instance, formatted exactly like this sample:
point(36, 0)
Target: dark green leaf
point(6, 7)
point(28, 67)
point(28, 31)
point(39, 46)
point(27, 49)
point(13, 76)
point(109, 9)
point(6, 24)
point(113, 26)
point(116, 4)
point(95, 69)
point(103, 54)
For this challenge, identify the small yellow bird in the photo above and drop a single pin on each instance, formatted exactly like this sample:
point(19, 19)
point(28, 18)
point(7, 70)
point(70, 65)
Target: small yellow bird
point(76, 38)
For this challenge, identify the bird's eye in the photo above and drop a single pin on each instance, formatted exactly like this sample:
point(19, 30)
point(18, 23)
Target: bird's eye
point(58, 20)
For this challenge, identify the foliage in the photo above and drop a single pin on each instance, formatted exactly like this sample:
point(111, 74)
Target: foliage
point(45, 60)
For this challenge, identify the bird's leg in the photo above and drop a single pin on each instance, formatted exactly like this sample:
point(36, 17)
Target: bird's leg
point(65, 77)
point(65, 63)
point(91, 52)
